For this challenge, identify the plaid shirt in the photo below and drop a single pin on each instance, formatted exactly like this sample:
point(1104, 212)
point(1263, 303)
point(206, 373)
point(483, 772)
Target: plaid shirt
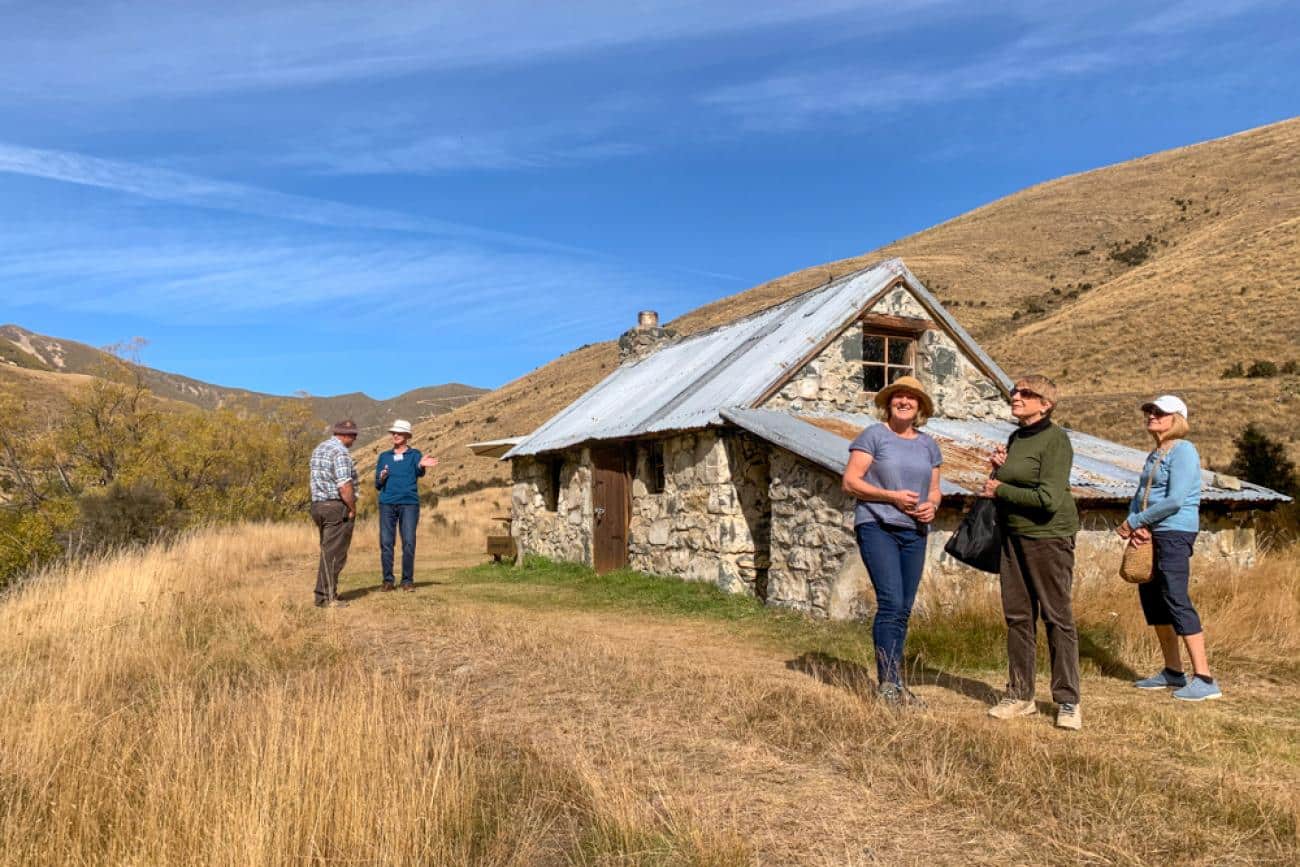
point(331, 466)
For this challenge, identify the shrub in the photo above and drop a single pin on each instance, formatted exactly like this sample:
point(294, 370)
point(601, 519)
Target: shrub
point(1133, 254)
point(1290, 367)
point(124, 516)
point(1233, 371)
point(1261, 370)
point(1263, 460)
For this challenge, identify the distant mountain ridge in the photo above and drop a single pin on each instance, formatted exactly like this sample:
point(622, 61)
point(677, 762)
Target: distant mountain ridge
point(21, 348)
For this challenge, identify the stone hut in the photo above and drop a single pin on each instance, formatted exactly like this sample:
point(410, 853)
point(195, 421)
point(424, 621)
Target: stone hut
point(717, 457)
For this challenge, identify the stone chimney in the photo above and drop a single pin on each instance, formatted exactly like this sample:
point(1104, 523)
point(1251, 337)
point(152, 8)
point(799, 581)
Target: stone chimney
point(645, 339)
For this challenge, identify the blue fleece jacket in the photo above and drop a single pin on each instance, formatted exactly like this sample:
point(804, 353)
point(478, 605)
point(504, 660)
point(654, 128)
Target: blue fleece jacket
point(400, 487)
point(1175, 497)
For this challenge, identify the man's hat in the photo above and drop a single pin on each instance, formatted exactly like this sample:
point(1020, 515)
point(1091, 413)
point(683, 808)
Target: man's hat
point(401, 426)
point(347, 427)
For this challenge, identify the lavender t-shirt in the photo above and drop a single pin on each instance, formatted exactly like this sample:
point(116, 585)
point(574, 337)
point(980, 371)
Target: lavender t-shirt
point(897, 464)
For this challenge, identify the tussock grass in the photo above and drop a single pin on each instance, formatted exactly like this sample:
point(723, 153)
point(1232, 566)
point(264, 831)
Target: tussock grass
point(170, 707)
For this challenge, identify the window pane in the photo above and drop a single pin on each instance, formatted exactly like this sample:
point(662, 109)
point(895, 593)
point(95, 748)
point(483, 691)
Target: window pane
point(898, 350)
point(896, 372)
point(873, 377)
point(873, 348)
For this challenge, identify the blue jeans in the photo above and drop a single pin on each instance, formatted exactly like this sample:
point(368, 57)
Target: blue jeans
point(895, 559)
point(391, 519)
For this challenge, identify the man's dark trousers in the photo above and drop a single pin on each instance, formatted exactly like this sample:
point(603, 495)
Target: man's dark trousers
point(395, 518)
point(1037, 578)
point(331, 517)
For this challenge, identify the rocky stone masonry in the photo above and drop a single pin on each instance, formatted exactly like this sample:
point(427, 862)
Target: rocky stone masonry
point(566, 533)
point(832, 382)
point(710, 522)
point(639, 342)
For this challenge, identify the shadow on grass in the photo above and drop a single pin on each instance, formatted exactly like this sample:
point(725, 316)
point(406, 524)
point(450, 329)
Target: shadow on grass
point(857, 679)
point(361, 592)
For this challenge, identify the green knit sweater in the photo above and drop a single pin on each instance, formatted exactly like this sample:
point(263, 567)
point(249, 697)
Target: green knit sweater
point(1034, 498)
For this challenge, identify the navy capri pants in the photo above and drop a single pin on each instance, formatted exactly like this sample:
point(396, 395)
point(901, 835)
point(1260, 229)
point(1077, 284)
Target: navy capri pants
point(1165, 600)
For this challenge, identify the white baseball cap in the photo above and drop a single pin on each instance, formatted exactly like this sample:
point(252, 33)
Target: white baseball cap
point(400, 426)
point(1167, 403)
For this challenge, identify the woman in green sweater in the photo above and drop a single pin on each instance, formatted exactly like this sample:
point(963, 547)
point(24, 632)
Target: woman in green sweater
point(1038, 518)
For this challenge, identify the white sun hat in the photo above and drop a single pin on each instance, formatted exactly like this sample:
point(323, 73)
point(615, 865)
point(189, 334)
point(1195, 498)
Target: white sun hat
point(400, 426)
point(1167, 403)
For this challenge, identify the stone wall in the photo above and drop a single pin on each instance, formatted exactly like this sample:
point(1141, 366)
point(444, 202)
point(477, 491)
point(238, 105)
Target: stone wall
point(815, 566)
point(832, 382)
point(710, 522)
point(566, 533)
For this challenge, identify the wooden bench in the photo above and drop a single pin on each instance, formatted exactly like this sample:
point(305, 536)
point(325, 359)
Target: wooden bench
point(501, 545)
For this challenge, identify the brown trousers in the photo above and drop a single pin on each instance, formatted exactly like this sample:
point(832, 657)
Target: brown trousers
point(331, 517)
point(1037, 576)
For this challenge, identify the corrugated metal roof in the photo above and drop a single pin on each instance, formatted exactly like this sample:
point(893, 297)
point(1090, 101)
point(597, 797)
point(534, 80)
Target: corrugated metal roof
point(683, 386)
point(1103, 471)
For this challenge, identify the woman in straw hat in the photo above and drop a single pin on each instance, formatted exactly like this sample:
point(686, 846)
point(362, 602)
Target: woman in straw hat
point(1039, 520)
point(893, 471)
point(397, 474)
point(1170, 522)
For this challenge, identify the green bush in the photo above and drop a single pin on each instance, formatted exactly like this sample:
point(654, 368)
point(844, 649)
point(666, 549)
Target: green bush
point(1261, 370)
point(124, 516)
point(1233, 371)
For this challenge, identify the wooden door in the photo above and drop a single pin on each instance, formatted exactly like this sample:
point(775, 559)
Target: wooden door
point(610, 495)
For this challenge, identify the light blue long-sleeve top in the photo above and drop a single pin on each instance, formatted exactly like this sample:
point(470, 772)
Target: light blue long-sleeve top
point(1175, 497)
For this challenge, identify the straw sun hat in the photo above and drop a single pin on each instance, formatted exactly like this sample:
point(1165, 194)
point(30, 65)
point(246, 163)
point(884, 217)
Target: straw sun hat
point(912, 386)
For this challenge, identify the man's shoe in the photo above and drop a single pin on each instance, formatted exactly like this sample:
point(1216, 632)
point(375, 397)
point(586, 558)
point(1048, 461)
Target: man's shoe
point(1068, 716)
point(409, 588)
point(1162, 679)
point(890, 694)
point(336, 603)
point(1010, 708)
point(386, 587)
point(1198, 690)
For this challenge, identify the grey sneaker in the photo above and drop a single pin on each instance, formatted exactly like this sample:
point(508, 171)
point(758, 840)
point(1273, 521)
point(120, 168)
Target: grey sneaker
point(1198, 690)
point(1068, 716)
point(891, 694)
point(1162, 679)
point(1010, 708)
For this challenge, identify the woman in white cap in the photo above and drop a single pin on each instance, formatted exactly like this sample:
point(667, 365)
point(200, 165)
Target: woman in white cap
point(396, 478)
point(893, 471)
point(1170, 522)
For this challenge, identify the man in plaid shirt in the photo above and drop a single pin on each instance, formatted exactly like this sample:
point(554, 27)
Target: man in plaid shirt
point(333, 508)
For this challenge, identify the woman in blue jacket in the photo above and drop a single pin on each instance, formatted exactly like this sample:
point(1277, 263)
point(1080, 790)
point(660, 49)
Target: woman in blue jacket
point(1170, 522)
point(396, 478)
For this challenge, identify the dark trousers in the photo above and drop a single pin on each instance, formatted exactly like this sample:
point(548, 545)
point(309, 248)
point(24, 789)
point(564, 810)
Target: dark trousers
point(331, 517)
point(393, 519)
point(1165, 600)
point(895, 559)
point(1037, 577)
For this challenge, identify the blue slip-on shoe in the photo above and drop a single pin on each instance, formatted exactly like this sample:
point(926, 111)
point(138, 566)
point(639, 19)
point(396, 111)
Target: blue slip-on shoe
point(1198, 690)
point(1162, 679)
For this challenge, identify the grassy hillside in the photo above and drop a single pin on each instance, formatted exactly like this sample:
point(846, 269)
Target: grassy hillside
point(1151, 275)
point(23, 349)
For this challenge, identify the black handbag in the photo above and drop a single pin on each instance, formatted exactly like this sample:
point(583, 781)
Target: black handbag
point(978, 540)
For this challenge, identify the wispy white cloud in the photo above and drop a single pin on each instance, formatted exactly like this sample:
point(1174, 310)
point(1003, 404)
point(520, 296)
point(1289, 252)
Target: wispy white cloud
point(149, 47)
point(1193, 14)
point(181, 188)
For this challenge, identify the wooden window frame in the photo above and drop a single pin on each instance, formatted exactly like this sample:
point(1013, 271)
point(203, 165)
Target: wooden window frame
point(891, 328)
point(656, 473)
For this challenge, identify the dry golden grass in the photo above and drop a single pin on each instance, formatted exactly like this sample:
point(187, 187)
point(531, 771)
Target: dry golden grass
point(173, 707)
point(188, 705)
point(1222, 282)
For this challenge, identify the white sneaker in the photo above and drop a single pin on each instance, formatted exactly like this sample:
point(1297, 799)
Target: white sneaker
point(1068, 716)
point(1010, 708)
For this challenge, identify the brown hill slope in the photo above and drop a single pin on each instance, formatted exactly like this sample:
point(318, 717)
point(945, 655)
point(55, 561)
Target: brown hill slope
point(1150, 275)
point(27, 350)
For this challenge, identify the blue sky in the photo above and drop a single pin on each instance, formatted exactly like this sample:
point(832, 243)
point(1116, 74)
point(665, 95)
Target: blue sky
point(339, 196)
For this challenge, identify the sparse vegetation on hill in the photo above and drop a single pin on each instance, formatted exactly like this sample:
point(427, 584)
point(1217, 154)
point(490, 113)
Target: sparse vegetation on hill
point(1202, 241)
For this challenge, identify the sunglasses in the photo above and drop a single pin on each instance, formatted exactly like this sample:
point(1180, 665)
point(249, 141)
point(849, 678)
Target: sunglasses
point(1154, 413)
point(1025, 393)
